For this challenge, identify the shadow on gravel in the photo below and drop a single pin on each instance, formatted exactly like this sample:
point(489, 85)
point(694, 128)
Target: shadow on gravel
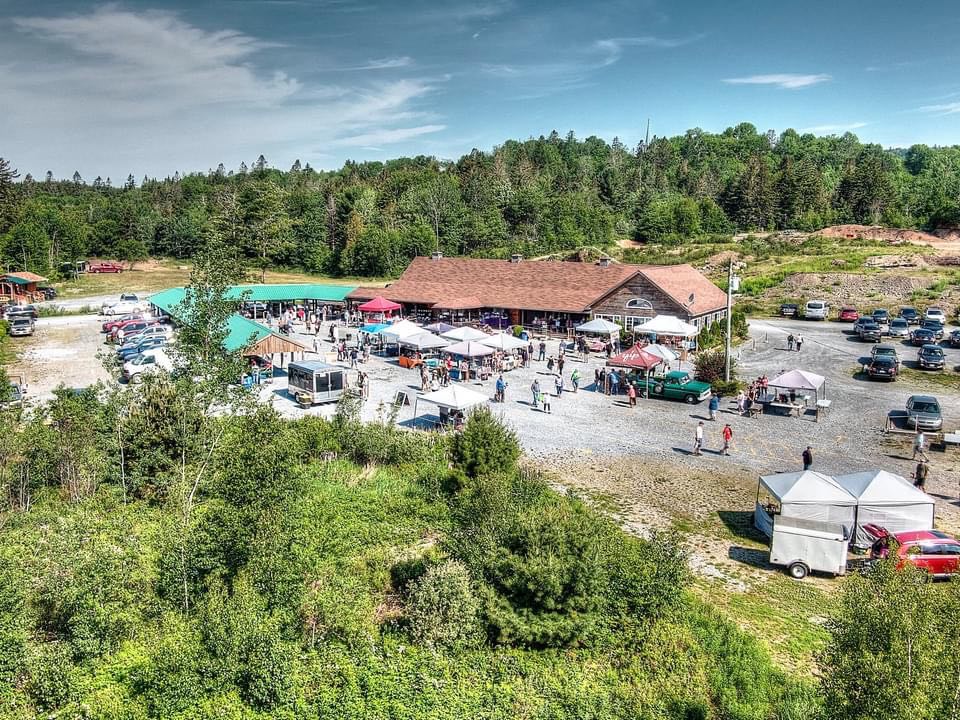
point(740, 525)
point(750, 556)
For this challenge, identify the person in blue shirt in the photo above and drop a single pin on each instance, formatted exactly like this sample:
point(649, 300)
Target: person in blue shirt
point(714, 405)
point(614, 382)
point(501, 390)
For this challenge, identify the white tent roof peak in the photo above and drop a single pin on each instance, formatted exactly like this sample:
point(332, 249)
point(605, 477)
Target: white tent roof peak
point(667, 325)
point(402, 329)
point(470, 349)
point(798, 380)
point(456, 397)
point(464, 333)
point(807, 486)
point(424, 341)
point(503, 341)
point(879, 487)
point(599, 325)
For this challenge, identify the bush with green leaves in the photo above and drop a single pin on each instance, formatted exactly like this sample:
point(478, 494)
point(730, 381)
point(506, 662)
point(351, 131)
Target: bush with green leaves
point(709, 365)
point(442, 610)
point(485, 446)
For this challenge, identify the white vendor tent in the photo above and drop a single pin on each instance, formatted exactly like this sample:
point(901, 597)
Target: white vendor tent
point(887, 500)
point(423, 341)
point(599, 326)
point(464, 333)
point(668, 325)
point(469, 349)
point(400, 329)
point(452, 398)
point(800, 380)
point(808, 494)
point(662, 352)
point(503, 341)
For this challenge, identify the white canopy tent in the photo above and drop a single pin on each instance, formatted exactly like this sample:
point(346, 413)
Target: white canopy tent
point(668, 325)
point(464, 333)
point(662, 352)
point(423, 341)
point(503, 341)
point(807, 494)
point(400, 329)
point(887, 500)
point(599, 326)
point(800, 380)
point(452, 398)
point(469, 349)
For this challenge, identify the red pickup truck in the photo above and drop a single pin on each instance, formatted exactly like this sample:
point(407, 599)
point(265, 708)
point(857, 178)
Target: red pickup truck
point(104, 267)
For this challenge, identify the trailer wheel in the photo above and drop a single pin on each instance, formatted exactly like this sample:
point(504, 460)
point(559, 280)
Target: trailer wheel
point(798, 571)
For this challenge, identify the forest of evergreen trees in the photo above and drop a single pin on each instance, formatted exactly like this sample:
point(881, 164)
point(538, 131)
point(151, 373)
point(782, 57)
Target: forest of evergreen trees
point(534, 197)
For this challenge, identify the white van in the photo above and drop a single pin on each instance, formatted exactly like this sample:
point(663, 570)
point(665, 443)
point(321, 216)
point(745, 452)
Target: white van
point(816, 310)
point(149, 361)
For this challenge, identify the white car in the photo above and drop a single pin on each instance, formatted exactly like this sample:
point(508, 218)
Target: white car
point(816, 310)
point(124, 307)
point(151, 331)
point(935, 314)
point(151, 361)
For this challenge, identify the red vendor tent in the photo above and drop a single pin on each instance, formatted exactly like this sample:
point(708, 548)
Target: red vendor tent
point(635, 357)
point(379, 305)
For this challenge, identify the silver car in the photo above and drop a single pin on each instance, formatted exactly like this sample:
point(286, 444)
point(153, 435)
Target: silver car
point(20, 326)
point(923, 413)
point(899, 328)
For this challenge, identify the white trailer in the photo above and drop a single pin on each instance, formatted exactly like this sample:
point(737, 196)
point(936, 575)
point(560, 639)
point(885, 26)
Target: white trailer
point(803, 545)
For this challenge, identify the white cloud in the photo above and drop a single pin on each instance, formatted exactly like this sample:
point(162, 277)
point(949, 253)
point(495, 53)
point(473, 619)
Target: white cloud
point(613, 48)
point(832, 129)
point(114, 91)
point(786, 81)
point(942, 109)
point(387, 63)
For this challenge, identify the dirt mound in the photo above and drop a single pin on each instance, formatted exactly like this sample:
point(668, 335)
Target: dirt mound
point(948, 234)
point(839, 288)
point(893, 236)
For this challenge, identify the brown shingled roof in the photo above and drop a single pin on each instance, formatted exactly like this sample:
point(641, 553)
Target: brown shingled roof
point(547, 286)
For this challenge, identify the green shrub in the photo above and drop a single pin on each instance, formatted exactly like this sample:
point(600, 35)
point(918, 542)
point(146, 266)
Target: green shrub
point(485, 446)
point(709, 365)
point(442, 610)
point(724, 388)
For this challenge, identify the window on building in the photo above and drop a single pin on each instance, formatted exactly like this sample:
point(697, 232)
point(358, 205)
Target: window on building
point(632, 321)
point(638, 304)
point(611, 318)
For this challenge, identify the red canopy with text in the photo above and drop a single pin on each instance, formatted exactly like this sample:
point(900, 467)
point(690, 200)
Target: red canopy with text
point(635, 357)
point(379, 305)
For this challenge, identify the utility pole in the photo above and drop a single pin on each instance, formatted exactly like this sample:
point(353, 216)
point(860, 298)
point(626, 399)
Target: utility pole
point(726, 356)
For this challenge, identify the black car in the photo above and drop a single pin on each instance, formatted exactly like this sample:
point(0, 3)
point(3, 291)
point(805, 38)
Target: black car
point(789, 310)
point(882, 367)
point(910, 315)
point(933, 326)
point(931, 357)
point(870, 332)
point(954, 338)
point(21, 311)
point(923, 336)
point(48, 292)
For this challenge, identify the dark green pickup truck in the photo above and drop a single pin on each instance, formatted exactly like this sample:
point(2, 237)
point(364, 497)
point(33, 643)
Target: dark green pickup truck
point(675, 385)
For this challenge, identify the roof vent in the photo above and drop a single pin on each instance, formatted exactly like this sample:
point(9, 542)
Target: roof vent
point(516, 257)
point(604, 262)
point(436, 256)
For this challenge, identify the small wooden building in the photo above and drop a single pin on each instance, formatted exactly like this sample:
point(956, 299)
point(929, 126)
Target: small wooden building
point(21, 287)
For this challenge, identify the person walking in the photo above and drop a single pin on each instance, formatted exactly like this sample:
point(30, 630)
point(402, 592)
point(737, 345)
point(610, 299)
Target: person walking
point(632, 394)
point(364, 382)
point(799, 341)
point(741, 403)
point(614, 383)
point(807, 458)
point(545, 398)
point(316, 345)
point(543, 350)
point(575, 379)
point(727, 437)
point(698, 439)
point(714, 405)
point(560, 362)
point(501, 387)
point(920, 475)
point(353, 358)
point(790, 340)
point(920, 445)
point(535, 389)
point(558, 384)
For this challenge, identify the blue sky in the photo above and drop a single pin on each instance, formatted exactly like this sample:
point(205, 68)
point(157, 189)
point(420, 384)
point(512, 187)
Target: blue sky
point(156, 87)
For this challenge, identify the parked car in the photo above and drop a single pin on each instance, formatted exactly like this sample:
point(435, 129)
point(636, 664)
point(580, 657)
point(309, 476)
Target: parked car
point(48, 292)
point(815, 310)
point(104, 267)
point(923, 336)
point(870, 332)
point(887, 351)
point(899, 328)
point(954, 338)
point(131, 349)
point(123, 307)
point(151, 361)
point(923, 412)
point(934, 327)
point(163, 331)
point(17, 393)
point(931, 357)
point(20, 326)
point(932, 550)
point(255, 310)
point(848, 313)
point(29, 311)
point(789, 309)
point(936, 314)
point(861, 321)
point(883, 368)
point(910, 315)
point(882, 318)
point(675, 385)
point(120, 334)
point(116, 322)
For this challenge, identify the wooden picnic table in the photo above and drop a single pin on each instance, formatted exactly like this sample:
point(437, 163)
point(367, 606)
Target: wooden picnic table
point(791, 408)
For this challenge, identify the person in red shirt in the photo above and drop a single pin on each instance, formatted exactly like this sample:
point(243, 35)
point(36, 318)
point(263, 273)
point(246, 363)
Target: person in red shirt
point(727, 437)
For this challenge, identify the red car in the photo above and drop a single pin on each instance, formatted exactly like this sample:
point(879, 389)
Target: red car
point(109, 325)
point(104, 267)
point(932, 550)
point(848, 314)
point(128, 328)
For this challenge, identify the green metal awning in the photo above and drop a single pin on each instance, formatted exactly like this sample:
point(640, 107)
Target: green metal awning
point(166, 300)
point(242, 333)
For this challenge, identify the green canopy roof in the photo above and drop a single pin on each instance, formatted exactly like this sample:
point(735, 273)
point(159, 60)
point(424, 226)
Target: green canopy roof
point(242, 333)
point(166, 300)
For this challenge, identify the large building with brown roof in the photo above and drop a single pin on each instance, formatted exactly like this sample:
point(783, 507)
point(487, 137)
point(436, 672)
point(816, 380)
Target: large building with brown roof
point(532, 292)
